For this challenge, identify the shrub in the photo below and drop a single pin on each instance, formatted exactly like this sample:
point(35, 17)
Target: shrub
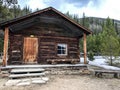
point(91, 56)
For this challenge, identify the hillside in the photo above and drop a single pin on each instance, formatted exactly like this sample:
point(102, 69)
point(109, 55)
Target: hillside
point(96, 23)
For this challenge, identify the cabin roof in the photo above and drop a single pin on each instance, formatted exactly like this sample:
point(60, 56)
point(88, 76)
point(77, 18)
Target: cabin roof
point(20, 19)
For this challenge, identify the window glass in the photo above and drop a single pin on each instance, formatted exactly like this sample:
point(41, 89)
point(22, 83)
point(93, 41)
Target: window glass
point(62, 49)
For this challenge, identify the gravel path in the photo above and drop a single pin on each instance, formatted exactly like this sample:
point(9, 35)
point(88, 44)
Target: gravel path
point(70, 82)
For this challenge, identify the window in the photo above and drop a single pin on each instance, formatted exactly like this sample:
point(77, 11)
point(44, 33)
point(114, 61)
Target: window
point(62, 49)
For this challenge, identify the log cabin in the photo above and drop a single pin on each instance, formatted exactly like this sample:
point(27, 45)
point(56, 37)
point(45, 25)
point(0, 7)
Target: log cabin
point(42, 37)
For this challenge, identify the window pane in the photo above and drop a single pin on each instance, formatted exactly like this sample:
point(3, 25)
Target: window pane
point(62, 47)
point(59, 52)
point(63, 52)
point(59, 47)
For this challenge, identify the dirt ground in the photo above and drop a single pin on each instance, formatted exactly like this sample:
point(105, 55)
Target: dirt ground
point(69, 82)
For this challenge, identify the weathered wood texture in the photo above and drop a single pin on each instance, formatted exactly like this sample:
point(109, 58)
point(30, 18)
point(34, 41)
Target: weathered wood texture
point(30, 49)
point(15, 49)
point(5, 52)
point(47, 48)
point(49, 20)
point(85, 48)
point(49, 34)
point(99, 73)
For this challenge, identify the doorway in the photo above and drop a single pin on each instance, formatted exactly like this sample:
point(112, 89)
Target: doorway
point(30, 50)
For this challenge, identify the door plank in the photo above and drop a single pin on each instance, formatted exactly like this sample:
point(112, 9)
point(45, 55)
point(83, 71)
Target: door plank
point(30, 49)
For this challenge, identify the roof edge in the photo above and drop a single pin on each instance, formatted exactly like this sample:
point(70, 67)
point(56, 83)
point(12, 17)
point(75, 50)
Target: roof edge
point(71, 20)
point(6, 23)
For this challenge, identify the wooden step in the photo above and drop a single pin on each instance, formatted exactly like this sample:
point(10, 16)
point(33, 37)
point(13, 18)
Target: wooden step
point(27, 70)
point(26, 75)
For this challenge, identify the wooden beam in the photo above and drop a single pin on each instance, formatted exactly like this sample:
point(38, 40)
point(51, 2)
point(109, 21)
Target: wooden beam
point(85, 48)
point(5, 51)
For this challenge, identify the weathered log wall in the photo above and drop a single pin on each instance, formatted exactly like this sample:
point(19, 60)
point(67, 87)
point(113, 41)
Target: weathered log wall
point(15, 54)
point(47, 48)
point(49, 34)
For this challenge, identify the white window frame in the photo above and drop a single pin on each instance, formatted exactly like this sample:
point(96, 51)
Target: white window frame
point(66, 49)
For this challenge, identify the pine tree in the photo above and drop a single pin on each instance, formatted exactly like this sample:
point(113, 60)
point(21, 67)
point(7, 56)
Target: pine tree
point(110, 43)
point(84, 21)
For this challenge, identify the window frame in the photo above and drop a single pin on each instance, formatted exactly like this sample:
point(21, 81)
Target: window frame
point(66, 49)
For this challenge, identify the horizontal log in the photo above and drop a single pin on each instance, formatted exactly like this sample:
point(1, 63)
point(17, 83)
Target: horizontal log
point(73, 47)
point(47, 43)
point(46, 50)
point(73, 52)
point(45, 47)
point(48, 60)
point(47, 57)
point(50, 46)
point(64, 38)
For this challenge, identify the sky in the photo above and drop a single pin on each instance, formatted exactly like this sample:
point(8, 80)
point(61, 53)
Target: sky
point(91, 8)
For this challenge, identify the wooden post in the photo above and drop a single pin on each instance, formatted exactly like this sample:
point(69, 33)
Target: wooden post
point(5, 51)
point(85, 48)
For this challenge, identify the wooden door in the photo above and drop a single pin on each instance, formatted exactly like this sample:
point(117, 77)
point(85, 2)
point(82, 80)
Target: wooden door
point(30, 51)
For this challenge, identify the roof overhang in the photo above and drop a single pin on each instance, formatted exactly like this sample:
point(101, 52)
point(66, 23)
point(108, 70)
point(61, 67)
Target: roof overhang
point(33, 18)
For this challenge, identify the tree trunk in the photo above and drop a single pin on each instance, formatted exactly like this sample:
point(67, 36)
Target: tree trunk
point(111, 55)
point(111, 60)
